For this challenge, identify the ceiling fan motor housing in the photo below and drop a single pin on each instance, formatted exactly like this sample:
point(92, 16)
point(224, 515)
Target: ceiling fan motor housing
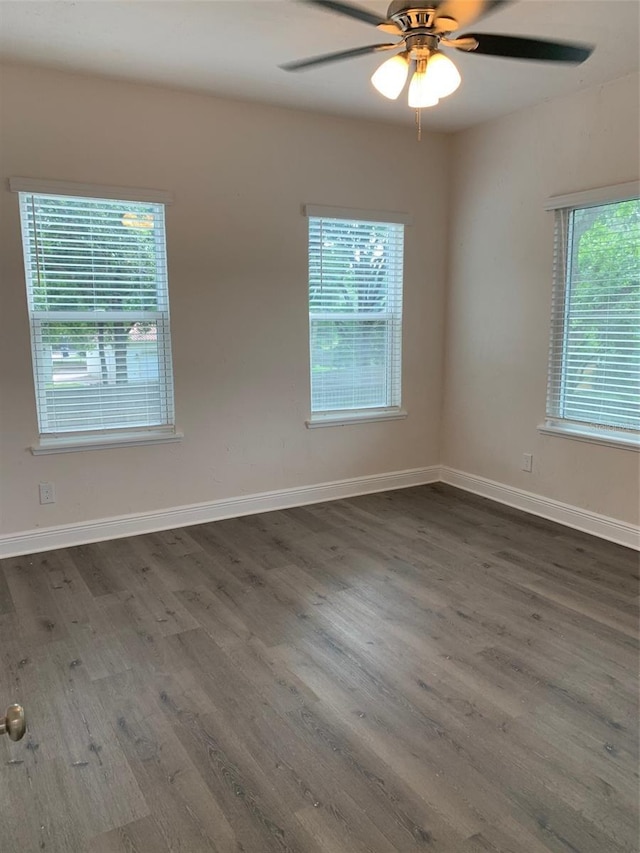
point(421, 45)
point(409, 16)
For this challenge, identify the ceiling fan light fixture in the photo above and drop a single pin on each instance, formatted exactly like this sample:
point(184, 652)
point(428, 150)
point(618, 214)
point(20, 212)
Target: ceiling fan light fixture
point(421, 91)
point(390, 77)
point(442, 75)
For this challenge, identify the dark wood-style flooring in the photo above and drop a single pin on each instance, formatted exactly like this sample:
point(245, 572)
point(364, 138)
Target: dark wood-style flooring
point(419, 670)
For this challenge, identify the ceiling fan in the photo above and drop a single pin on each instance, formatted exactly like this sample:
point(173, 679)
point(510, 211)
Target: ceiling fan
point(423, 28)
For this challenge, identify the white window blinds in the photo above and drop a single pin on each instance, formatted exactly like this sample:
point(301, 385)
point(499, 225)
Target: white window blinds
point(355, 314)
point(594, 374)
point(99, 311)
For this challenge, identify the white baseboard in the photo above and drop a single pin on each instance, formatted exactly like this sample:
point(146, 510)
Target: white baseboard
point(68, 535)
point(571, 516)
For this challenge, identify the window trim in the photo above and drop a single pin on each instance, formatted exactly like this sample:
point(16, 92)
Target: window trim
point(63, 442)
point(43, 186)
point(324, 211)
point(102, 441)
point(609, 436)
point(353, 416)
point(344, 417)
point(595, 197)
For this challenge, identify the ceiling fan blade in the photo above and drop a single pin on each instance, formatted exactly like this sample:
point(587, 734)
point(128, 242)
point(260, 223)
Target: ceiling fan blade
point(463, 43)
point(464, 12)
point(325, 58)
point(514, 47)
point(390, 28)
point(350, 11)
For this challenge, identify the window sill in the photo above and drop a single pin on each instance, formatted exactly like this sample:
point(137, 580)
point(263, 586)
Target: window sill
point(102, 442)
point(609, 437)
point(346, 418)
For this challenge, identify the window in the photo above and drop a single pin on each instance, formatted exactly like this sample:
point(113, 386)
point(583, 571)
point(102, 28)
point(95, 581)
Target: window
point(355, 315)
point(99, 315)
point(594, 373)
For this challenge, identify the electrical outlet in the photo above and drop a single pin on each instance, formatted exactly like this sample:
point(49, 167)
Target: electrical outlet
point(47, 493)
point(527, 462)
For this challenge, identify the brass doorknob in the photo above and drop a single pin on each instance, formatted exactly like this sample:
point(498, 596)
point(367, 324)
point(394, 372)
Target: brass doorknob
point(13, 724)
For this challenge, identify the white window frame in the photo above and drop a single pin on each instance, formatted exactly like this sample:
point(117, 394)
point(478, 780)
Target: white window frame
point(343, 417)
point(554, 425)
point(62, 442)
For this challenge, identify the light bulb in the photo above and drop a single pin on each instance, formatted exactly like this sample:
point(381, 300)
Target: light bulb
point(391, 76)
point(421, 93)
point(442, 75)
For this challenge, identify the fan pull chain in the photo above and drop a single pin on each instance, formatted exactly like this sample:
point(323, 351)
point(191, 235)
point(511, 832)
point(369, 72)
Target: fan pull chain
point(419, 123)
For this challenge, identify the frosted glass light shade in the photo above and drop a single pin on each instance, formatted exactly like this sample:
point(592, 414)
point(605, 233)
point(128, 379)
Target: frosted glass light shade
point(391, 76)
point(421, 93)
point(442, 75)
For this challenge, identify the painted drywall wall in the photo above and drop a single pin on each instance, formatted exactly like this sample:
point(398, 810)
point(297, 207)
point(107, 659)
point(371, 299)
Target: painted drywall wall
point(237, 245)
point(499, 293)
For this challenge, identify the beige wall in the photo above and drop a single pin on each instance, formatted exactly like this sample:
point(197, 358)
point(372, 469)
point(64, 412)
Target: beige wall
point(500, 290)
point(237, 266)
point(238, 287)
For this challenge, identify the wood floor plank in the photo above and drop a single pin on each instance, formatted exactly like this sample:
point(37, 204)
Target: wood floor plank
point(186, 814)
point(39, 808)
point(139, 836)
point(6, 602)
point(39, 620)
point(420, 669)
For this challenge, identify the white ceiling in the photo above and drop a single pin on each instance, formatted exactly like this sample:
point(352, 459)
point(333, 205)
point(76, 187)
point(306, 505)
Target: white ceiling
point(233, 47)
